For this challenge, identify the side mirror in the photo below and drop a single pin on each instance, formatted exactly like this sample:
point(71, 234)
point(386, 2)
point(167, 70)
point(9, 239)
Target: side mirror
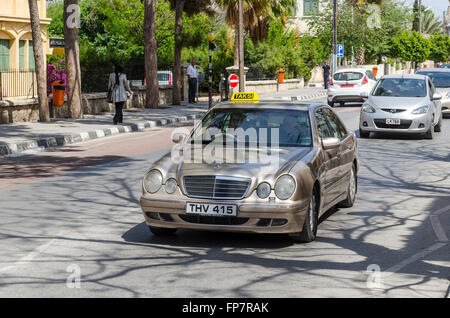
point(436, 96)
point(364, 95)
point(330, 143)
point(178, 137)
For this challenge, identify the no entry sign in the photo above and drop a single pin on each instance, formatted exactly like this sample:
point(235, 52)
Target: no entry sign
point(233, 79)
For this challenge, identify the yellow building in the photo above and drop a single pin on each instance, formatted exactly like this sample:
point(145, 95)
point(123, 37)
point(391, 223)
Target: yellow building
point(16, 45)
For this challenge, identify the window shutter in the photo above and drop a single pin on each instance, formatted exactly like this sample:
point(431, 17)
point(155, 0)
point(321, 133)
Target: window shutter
point(4, 55)
point(31, 65)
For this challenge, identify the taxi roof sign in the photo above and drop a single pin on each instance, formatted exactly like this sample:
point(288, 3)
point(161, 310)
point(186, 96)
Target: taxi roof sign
point(245, 97)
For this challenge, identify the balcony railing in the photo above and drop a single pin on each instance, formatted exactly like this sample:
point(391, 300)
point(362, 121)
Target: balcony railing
point(17, 84)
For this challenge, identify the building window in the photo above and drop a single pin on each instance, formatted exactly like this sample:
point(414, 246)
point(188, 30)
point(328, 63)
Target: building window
point(22, 55)
point(4, 55)
point(31, 65)
point(310, 7)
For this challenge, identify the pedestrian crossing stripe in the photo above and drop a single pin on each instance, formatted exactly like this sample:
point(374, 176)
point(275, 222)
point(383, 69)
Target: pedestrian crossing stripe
point(250, 97)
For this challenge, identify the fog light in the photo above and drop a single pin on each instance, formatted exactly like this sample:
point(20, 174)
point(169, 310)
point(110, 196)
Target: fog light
point(421, 126)
point(365, 123)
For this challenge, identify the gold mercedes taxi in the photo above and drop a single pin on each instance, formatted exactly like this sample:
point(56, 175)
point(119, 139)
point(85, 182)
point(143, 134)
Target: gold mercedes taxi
point(267, 167)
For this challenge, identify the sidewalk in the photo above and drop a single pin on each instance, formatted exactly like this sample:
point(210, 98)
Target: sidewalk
point(29, 137)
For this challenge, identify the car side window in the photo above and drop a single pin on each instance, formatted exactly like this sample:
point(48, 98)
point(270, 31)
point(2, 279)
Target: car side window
point(431, 86)
point(370, 75)
point(336, 124)
point(322, 125)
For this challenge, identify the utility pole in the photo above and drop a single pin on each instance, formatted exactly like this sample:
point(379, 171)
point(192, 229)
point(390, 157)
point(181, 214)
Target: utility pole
point(334, 62)
point(420, 16)
point(241, 48)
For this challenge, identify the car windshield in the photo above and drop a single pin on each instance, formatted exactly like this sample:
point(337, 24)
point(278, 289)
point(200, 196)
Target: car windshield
point(347, 76)
point(440, 79)
point(288, 128)
point(401, 87)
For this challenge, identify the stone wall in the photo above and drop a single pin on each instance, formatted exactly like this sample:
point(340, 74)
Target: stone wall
point(27, 110)
point(271, 86)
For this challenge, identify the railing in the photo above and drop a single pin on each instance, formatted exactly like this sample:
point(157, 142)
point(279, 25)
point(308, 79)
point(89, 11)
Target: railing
point(17, 84)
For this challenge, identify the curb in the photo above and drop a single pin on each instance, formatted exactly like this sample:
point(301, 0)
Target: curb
point(62, 140)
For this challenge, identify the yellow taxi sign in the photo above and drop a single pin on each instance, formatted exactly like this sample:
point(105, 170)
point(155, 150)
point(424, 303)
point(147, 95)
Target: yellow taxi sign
point(245, 97)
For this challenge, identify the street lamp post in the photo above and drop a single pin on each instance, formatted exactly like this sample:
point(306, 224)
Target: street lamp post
point(212, 47)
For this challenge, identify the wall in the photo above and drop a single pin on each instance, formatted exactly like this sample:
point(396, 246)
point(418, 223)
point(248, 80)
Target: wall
point(270, 86)
point(27, 110)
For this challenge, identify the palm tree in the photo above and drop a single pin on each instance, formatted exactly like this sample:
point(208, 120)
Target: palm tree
point(257, 16)
point(430, 23)
point(41, 76)
point(72, 49)
point(151, 59)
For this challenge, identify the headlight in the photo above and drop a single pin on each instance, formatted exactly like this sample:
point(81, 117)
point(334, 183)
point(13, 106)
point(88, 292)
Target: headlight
point(263, 190)
point(171, 185)
point(421, 110)
point(368, 109)
point(153, 181)
point(284, 187)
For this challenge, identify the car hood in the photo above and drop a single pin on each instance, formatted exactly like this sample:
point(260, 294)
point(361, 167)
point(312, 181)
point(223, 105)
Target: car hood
point(397, 102)
point(443, 91)
point(268, 167)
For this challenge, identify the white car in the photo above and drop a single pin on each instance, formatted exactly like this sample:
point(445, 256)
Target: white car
point(346, 85)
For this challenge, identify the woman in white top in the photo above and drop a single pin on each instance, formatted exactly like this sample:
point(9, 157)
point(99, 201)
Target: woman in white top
point(118, 83)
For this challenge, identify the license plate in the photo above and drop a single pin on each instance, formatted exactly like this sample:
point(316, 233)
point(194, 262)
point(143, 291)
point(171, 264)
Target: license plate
point(392, 121)
point(211, 209)
point(349, 85)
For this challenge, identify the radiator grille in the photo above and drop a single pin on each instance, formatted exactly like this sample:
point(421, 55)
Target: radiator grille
point(216, 187)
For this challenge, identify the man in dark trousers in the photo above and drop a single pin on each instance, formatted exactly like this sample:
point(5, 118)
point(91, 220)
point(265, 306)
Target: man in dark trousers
point(326, 74)
point(191, 73)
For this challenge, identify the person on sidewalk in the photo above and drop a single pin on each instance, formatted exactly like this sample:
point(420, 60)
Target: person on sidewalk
point(191, 73)
point(118, 83)
point(326, 74)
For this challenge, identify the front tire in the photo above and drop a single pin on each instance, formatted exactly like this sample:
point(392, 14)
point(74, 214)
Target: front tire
point(309, 230)
point(363, 134)
point(438, 126)
point(351, 191)
point(160, 231)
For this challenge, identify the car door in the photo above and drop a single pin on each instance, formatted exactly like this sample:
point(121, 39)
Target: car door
point(346, 151)
point(436, 104)
point(331, 162)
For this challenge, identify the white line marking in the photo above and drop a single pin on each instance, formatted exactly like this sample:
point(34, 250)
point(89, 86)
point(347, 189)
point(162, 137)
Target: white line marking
point(390, 271)
point(30, 256)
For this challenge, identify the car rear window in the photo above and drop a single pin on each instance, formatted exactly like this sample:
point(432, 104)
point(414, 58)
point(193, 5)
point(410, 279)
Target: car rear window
point(348, 76)
point(440, 79)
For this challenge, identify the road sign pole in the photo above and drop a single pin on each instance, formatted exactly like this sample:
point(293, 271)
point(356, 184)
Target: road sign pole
point(334, 62)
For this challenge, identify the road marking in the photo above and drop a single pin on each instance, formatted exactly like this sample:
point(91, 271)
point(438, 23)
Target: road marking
point(30, 256)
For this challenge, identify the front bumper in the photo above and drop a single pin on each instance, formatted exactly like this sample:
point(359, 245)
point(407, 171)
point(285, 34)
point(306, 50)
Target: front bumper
point(410, 123)
point(252, 217)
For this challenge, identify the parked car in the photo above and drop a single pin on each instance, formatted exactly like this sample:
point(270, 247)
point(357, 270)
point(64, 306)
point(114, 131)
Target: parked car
point(444, 65)
point(164, 78)
point(402, 103)
point(441, 80)
point(317, 169)
point(346, 85)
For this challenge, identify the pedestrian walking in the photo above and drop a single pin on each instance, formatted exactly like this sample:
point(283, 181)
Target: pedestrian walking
point(118, 86)
point(326, 74)
point(191, 73)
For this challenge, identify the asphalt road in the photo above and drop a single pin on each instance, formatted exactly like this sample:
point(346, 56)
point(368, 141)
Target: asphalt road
point(75, 211)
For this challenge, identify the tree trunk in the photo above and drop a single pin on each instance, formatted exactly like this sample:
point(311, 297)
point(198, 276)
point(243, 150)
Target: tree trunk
point(236, 44)
point(179, 6)
point(72, 49)
point(41, 70)
point(151, 58)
